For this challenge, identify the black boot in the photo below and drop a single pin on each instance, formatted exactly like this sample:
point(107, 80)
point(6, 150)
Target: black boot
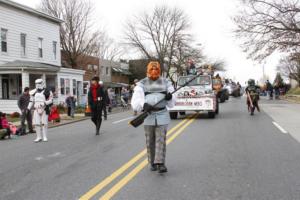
point(162, 168)
point(153, 167)
point(97, 130)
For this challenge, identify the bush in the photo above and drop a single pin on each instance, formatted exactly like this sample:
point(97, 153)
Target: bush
point(15, 115)
point(294, 91)
point(61, 108)
point(80, 109)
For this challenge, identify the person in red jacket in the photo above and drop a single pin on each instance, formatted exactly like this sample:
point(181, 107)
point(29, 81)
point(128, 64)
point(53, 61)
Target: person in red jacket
point(5, 124)
point(96, 100)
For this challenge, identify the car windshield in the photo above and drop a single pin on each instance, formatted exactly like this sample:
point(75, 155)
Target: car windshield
point(217, 81)
point(201, 80)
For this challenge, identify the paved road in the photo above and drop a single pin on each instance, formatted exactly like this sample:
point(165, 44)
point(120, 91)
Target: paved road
point(233, 157)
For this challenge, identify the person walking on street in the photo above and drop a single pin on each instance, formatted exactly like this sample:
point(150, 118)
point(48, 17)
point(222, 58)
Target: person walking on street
point(146, 94)
point(269, 89)
point(26, 115)
point(95, 99)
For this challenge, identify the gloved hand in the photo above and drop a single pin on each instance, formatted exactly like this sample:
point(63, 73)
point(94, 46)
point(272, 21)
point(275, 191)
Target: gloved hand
point(168, 96)
point(147, 107)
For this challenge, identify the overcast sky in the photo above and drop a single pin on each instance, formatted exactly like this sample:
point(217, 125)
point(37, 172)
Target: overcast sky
point(211, 26)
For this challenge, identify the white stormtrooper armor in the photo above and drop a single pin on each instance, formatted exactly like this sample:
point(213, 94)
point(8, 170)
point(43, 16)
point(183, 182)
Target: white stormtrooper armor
point(40, 100)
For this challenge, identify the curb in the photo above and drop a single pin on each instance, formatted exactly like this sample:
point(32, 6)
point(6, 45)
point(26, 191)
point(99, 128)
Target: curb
point(84, 118)
point(71, 122)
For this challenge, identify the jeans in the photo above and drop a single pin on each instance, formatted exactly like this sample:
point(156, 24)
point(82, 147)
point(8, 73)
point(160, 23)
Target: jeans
point(26, 115)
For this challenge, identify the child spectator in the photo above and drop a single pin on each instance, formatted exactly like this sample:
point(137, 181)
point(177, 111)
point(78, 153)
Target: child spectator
point(5, 124)
point(54, 114)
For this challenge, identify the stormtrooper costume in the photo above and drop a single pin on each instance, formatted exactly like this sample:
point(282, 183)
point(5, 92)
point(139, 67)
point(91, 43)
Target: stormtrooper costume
point(40, 99)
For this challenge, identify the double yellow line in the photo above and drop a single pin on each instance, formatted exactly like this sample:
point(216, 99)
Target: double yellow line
point(108, 195)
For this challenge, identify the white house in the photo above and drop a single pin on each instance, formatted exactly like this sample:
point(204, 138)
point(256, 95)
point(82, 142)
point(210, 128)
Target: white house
point(30, 49)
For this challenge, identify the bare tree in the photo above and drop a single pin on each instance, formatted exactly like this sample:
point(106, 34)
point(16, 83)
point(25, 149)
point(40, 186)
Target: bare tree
point(289, 67)
point(266, 26)
point(77, 36)
point(108, 49)
point(160, 34)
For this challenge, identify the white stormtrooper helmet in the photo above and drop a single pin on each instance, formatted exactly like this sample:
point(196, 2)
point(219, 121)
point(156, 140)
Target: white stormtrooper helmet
point(39, 84)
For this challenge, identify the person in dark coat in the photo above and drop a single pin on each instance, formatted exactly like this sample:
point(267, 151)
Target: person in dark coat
point(23, 102)
point(96, 100)
point(106, 100)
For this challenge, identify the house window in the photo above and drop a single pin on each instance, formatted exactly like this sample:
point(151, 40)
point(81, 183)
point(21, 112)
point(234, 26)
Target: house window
point(85, 87)
point(4, 40)
point(107, 71)
point(67, 86)
point(54, 44)
point(62, 86)
point(90, 67)
point(40, 47)
point(74, 87)
point(23, 44)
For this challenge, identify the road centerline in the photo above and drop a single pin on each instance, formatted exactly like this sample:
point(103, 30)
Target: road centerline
point(96, 189)
point(118, 186)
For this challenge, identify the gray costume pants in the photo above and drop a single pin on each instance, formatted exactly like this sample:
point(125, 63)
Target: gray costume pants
point(156, 143)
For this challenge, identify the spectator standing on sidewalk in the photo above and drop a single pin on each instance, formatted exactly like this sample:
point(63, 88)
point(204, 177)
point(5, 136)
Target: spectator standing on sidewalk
point(106, 100)
point(68, 103)
point(23, 102)
point(134, 85)
point(71, 104)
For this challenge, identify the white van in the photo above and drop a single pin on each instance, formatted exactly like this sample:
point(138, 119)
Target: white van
point(197, 96)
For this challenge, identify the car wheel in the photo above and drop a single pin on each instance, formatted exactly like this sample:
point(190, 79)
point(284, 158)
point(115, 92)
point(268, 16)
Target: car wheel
point(173, 115)
point(211, 115)
point(182, 113)
point(217, 109)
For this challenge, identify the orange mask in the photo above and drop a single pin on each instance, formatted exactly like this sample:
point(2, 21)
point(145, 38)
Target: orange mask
point(153, 70)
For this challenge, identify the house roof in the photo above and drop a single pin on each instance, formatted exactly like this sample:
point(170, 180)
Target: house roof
point(30, 10)
point(122, 71)
point(115, 85)
point(19, 64)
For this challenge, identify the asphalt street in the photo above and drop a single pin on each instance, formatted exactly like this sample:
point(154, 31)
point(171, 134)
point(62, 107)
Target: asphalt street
point(232, 157)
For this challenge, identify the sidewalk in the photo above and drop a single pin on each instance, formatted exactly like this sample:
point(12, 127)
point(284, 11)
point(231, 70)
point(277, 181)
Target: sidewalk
point(77, 118)
point(284, 113)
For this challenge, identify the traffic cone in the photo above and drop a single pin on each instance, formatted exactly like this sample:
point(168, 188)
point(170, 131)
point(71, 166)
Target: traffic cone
point(87, 110)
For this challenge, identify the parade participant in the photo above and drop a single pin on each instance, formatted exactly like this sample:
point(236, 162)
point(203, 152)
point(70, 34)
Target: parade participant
point(41, 100)
point(269, 89)
point(147, 93)
point(23, 102)
point(252, 91)
point(96, 98)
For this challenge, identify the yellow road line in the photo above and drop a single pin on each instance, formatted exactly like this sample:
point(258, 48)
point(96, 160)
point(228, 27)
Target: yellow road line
point(123, 168)
point(117, 187)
